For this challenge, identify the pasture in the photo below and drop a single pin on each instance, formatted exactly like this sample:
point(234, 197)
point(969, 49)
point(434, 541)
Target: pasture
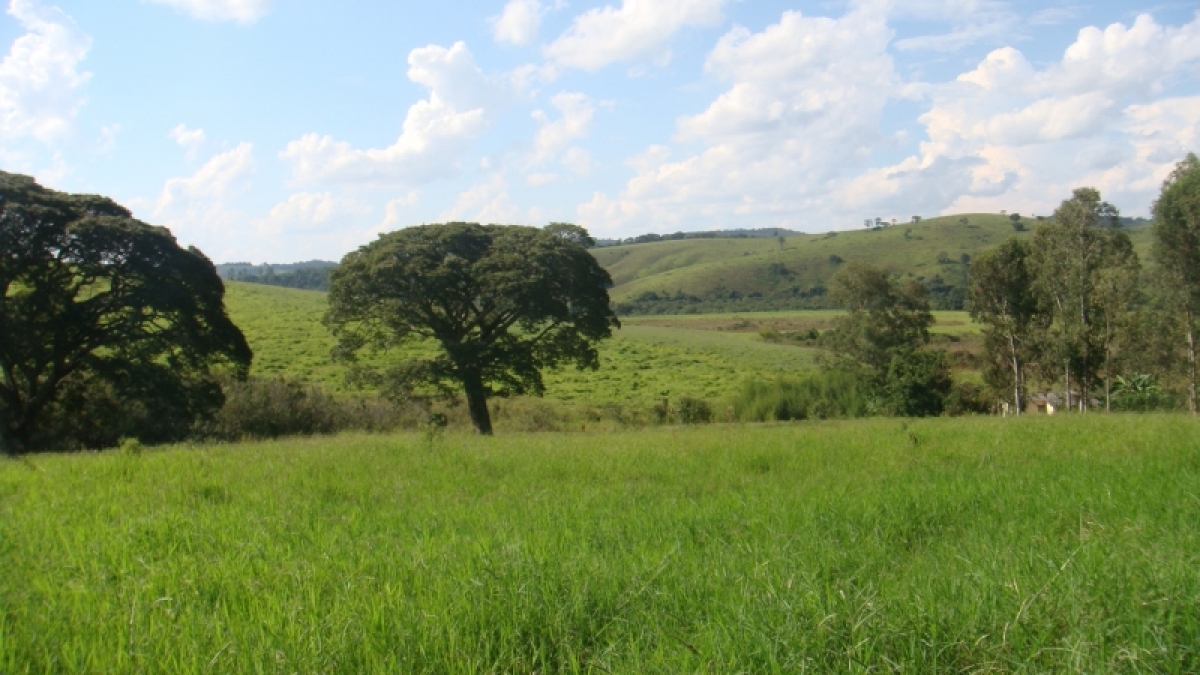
point(699, 355)
point(1065, 544)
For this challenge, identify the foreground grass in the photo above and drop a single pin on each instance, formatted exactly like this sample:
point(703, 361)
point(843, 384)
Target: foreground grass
point(1035, 545)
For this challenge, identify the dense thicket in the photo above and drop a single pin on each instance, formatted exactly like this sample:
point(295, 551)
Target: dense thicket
point(109, 327)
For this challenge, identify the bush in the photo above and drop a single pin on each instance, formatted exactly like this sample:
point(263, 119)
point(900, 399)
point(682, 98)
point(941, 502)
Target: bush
point(824, 395)
point(917, 384)
point(694, 411)
point(966, 398)
point(273, 408)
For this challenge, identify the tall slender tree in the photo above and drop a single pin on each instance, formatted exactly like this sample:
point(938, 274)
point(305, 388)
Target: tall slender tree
point(1003, 300)
point(1177, 252)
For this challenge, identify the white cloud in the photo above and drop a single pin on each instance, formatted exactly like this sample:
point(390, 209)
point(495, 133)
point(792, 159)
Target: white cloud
point(637, 30)
point(486, 202)
point(191, 139)
point(791, 141)
point(40, 81)
point(1029, 136)
point(554, 136)
point(306, 212)
point(436, 132)
point(241, 11)
point(519, 22)
point(198, 208)
point(803, 107)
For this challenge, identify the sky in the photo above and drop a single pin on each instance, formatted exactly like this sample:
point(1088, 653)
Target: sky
point(287, 130)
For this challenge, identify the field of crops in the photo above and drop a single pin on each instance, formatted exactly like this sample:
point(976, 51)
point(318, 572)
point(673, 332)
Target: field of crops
point(1065, 544)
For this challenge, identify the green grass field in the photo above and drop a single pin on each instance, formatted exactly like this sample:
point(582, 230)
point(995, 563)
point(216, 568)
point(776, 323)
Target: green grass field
point(701, 355)
point(1065, 544)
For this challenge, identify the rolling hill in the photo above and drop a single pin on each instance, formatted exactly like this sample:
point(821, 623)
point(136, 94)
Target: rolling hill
point(721, 275)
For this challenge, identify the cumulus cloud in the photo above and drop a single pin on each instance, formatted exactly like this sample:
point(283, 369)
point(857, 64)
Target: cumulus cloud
point(241, 11)
point(436, 131)
point(793, 140)
point(553, 136)
point(1086, 119)
point(40, 80)
point(519, 22)
point(485, 202)
point(803, 106)
point(638, 29)
point(199, 209)
point(307, 212)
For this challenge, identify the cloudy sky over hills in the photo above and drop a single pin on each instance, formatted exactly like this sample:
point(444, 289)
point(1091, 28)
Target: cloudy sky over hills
point(278, 130)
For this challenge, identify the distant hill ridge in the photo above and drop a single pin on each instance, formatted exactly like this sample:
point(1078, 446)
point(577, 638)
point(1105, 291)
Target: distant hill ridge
point(764, 269)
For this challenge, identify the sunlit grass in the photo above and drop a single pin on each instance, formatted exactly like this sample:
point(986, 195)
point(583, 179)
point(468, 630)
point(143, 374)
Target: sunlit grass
point(1067, 544)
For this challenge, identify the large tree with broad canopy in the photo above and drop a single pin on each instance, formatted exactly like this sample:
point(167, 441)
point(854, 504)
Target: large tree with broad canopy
point(93, 300)
point(502, 303)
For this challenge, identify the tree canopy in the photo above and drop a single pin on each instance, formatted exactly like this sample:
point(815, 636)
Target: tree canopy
point(1177, 252)
point(881, 342)
point(92, 300)
point(502, 302)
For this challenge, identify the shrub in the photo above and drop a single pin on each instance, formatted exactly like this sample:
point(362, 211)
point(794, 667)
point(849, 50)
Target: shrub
point(694, 411)
point(823, 395)
point(966, 398)
point(275, 407)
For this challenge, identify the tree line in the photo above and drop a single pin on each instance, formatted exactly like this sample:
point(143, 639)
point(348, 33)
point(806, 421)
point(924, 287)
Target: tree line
point(110, 329)
point(1073, 308)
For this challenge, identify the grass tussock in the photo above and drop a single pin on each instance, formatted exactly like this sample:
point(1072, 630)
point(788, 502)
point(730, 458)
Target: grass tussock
point(1064, 544)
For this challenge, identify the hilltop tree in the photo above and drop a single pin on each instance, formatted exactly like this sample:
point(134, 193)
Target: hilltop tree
point(1177, 252)
point(1004, 301)
point(94, 303)
point(501, 302)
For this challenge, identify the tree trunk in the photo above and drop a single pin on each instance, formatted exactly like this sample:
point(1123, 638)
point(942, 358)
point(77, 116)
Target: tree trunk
point(1068, 392)
point(477, 402)
point(1016, 361)
point(1107, 364)
point(1191, 336)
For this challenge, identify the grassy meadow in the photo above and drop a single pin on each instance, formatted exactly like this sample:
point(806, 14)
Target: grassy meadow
point(1064, 544)
point(700, 355)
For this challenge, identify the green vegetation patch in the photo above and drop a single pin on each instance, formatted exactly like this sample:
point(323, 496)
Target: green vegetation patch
point(1039, 544)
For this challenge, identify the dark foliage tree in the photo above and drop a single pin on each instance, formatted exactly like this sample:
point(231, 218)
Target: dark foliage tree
point(502, 302)
point(882, 341)
point(107, 326)
point(1177, 252)
point(1003, 300)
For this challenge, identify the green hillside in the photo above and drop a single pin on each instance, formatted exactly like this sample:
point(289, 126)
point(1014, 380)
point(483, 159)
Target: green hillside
point(761, 274)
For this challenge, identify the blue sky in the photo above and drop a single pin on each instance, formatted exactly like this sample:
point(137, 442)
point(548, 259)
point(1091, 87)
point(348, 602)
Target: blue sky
point(281, 130)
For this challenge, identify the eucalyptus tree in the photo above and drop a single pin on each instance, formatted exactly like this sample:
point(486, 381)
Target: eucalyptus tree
point(501, 303)
point(92, 299)
point(1069, 255)
point(1004, 301)
point(1177, 252)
